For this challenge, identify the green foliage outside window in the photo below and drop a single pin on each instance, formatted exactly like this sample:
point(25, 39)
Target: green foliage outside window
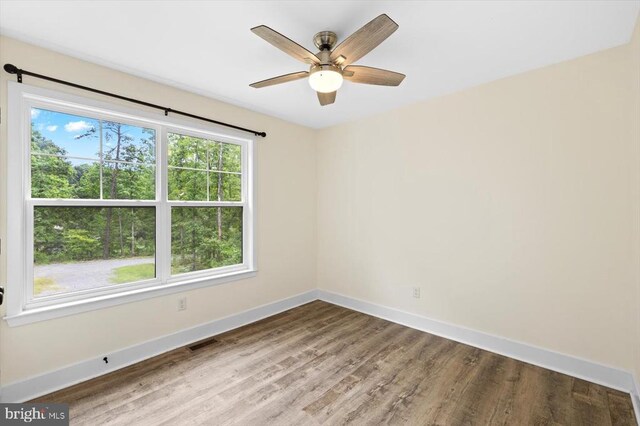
point(204, 170)
point(66, 234)
point(199, 169)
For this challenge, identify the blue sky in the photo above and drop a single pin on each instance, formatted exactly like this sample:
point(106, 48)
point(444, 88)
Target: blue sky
point(64, 129)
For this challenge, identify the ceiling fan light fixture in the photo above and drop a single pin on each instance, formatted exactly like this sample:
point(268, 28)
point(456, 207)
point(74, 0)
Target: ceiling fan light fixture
point(325, 78)
point(331, 65)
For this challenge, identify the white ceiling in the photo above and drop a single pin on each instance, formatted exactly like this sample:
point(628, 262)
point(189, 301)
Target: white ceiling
point(206, 47)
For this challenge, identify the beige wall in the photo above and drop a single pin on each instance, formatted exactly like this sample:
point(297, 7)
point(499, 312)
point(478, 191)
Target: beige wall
point(635, 89)
point(286, 229)
point(513, 205)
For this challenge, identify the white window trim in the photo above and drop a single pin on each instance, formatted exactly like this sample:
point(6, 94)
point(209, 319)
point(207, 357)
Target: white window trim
point(19, 208)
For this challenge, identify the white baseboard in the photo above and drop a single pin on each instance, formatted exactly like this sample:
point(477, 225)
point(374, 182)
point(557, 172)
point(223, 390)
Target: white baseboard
point(85, 370)
point(635, 398)
point(588, 370)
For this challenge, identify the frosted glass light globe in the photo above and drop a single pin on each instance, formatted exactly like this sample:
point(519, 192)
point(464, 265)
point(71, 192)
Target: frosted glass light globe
point(325, 79)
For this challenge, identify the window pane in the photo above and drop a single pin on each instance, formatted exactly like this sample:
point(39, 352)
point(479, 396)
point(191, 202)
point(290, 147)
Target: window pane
point(80, 248)
point(64, 134)
point(86, 179)
point(229, 161)
point(59, 140)
point(205, 238)
point(188, 151)
point(63, 177)
point(123, 142)
point(200, 156)
point(225, 187)
point(128, 181)
point(187, 185)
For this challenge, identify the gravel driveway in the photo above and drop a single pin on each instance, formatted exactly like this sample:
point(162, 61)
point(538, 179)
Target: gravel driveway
point(83, 275)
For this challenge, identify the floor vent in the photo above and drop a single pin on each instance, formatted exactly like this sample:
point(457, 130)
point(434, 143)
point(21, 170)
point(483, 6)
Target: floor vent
point(201, 344)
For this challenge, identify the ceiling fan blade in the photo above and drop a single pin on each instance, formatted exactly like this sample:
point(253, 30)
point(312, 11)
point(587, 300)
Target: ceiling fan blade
point(326, 98)
point(364, 40)
point(280, 79)
point(369, 75)
point(285, 44)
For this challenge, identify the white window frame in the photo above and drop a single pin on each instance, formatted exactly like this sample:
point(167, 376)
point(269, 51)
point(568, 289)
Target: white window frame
point(22, 308)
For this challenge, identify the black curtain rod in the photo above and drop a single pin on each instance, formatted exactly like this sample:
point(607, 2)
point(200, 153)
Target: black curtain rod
point(12, 69)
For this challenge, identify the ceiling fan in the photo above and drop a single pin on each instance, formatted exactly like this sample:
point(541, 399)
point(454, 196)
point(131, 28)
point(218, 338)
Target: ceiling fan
point(330, 66)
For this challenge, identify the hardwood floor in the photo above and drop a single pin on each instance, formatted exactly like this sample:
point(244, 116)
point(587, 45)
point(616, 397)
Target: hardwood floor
point(323, 364)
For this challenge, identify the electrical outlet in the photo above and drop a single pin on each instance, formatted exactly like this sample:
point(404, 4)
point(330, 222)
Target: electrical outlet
point(182, 304)
point(416, 292)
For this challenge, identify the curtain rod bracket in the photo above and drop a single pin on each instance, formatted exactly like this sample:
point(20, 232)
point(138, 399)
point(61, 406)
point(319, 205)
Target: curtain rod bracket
point(12, 69)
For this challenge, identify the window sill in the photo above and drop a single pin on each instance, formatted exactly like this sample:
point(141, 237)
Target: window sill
point(70, 308)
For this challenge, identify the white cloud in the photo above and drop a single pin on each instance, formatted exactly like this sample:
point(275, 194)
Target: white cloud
point(77, 126)
point(52, 128)
point(35, 113)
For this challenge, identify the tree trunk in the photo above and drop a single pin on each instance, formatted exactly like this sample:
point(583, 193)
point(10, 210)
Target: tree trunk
point(121, 232)
point(220, 193)
point(107, 235)
point(133, 234)
point(117, 129)
point(193, 242)
point(182, 257)
point(194, 264)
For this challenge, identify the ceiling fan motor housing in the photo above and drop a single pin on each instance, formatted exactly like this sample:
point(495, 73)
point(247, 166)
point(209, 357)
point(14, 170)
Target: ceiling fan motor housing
point(325, 40)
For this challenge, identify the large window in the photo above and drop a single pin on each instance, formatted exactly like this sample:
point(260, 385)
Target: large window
point(117, 204)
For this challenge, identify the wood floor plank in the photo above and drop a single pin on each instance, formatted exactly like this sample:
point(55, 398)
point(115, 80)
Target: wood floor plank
point(449, 400)
point(358, 378)
point(619, 409)
point(481, 394)
point(409, 406)
point(233, 358)
point(233, 362)
point(206, 393)
point(592, 405)
point(298, 378)
point(499, 407)
point(392, 385)
point(320, 364)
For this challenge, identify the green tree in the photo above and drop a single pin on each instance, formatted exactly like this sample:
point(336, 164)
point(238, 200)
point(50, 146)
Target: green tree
point(126, 174)
point(51, 173)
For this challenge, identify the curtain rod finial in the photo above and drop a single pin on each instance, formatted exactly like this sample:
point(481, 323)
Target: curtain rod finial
point(11, 69)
